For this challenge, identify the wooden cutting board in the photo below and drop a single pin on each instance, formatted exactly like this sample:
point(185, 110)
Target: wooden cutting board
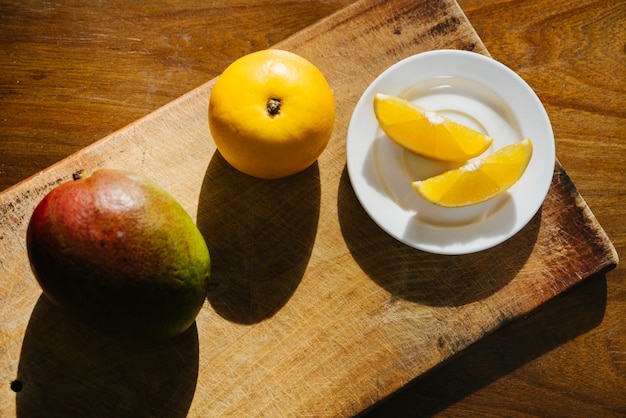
point(313, 310)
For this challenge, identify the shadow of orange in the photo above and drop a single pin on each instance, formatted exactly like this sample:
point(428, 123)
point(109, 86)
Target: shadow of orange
point(260, 234)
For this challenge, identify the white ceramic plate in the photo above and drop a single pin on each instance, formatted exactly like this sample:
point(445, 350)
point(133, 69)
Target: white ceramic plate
point(469, 88)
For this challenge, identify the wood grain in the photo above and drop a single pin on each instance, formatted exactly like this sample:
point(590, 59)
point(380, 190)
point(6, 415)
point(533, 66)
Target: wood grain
point(73, 74)
point(595, 355)
point(568, 357)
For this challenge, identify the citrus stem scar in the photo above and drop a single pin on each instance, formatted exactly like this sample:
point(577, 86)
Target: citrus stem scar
point(273, 106)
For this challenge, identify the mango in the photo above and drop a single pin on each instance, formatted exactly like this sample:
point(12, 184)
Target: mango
point(118, 252)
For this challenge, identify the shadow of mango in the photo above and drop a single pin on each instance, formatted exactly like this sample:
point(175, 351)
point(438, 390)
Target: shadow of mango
point(69, 369)
point(260, 234)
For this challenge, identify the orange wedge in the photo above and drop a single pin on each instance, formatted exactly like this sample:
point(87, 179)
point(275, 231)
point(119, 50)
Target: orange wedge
point(480, 180)
point(426, 132)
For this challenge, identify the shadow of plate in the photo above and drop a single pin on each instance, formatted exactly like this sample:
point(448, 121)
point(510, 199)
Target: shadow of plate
point(421, 277)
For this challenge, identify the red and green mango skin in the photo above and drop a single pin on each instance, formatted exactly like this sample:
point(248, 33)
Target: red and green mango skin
point(117, 251)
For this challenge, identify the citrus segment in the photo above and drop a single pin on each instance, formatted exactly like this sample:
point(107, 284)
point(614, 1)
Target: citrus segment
point(478, 181)
point(426, 132)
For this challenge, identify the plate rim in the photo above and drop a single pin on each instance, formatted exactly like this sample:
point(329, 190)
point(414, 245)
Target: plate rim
point(458, 57)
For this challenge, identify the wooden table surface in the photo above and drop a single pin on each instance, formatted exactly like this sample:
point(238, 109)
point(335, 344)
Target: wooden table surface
point(71, 74)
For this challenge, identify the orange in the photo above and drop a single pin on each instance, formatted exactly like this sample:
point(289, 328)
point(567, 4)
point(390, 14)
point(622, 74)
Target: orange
point(271, 113)
point(480, 180)
point(426, 132)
